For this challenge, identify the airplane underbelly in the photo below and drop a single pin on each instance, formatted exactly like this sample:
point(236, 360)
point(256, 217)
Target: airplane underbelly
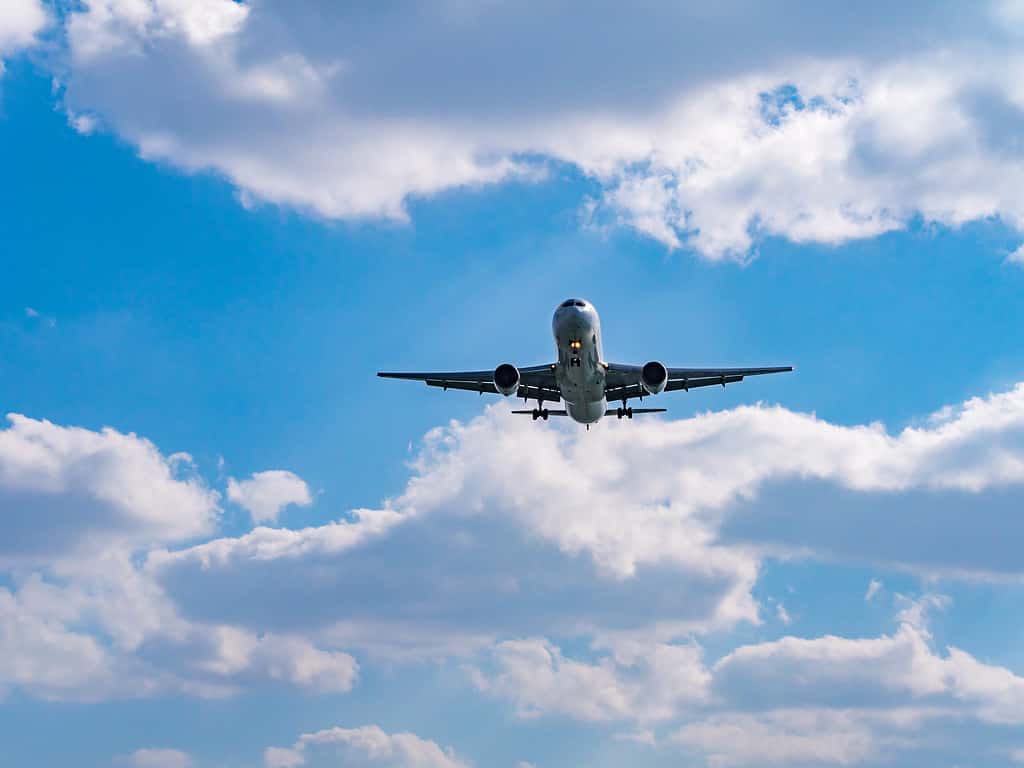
point(583, 382)
point(580, 373)
point(587, 412)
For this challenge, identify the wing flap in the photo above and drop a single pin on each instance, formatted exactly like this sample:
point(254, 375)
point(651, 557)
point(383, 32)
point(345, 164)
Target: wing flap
point(440, 376)
point(536, 382)
point(469, 386)
point(699, 373)
point(635, 390)
point(623, 381)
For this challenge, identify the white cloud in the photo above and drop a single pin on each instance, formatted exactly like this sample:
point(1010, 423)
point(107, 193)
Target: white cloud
point(288, 659)
point(157, 758)
point(79, 619)
point(68, 490)
point(20, 22)
point(104, 630)
point(631, 538)
point(105, 27)
point(46, 656)
point(638, 681)
point(84, 124)
point(916, 611)
point(1017, 256)
point(830, 670)
point(693, 495)
point(874, 587)
point(795, 736)
point(366, 747)
point(823, 700)
point(653, 531)
point(834, 129)
point(834, 700)
point(899, 669)
point(266, 494)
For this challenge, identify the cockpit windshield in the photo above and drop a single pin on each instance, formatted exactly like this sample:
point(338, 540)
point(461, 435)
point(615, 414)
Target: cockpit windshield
point(573, 303)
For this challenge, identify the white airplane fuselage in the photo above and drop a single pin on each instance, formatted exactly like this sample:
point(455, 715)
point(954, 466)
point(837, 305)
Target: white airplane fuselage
point(580, 371)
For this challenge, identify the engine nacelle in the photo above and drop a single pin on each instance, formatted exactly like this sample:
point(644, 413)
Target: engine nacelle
point(653, 377)
point(506, 379)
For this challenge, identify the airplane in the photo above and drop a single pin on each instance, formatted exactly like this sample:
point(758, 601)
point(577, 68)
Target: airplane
point(581, 377)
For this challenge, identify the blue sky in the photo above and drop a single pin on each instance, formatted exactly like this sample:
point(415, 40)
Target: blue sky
point(227, 543)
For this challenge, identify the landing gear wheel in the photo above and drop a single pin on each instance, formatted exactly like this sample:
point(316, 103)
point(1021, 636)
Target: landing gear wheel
point(540, 413)
point(627, 412)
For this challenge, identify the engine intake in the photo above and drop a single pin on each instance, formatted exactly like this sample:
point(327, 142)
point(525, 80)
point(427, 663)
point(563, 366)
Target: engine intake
point(653, 377)
point(506, 379)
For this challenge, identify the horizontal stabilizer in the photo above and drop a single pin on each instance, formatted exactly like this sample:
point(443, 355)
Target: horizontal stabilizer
point(627, 413)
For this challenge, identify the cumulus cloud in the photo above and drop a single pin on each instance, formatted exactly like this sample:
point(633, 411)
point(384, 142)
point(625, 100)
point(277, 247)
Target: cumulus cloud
point(157, 758)
point(657, 525)
point(902, 668)
point(20, 22)
point(266, 494)
point(796, 736)
point(513, 539)
point(366, 747)
point(479, 552)
point(831, 670)
point(821, 700)
point(68, 490)
point(638, 681)
point(46, 656)
point(104, 630)
point(842, 701)
point(711, 127)
point(78, 618)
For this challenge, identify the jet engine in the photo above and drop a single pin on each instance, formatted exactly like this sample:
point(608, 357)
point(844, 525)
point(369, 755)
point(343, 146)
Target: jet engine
point(506, 379)
point(653, 377)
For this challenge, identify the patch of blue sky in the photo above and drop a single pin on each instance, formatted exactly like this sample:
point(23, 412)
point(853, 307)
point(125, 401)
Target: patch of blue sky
point(782, 101)
point(777, 103)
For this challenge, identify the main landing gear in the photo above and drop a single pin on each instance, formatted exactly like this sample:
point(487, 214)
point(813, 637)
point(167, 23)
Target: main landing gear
point(627, 412)
point(540, 412)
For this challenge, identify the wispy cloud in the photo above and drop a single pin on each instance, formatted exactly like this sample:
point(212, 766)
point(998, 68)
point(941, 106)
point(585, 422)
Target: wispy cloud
point(873, 589)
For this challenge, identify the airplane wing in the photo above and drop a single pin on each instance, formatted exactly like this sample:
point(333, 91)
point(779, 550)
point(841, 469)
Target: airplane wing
point(535, 383)
point(622, 382)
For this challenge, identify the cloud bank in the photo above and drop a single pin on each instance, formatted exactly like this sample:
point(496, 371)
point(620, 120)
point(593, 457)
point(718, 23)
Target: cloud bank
point(366, 747)
point(704, 127)
point(570, 574)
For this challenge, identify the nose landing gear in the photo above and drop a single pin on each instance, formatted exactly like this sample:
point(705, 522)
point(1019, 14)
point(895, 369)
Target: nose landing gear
point(540, 413)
